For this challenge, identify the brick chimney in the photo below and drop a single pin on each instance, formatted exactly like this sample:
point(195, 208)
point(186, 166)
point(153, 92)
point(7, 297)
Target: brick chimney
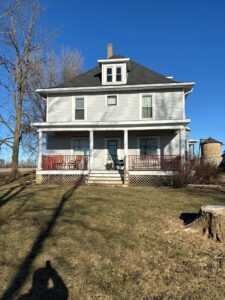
point(109, 50)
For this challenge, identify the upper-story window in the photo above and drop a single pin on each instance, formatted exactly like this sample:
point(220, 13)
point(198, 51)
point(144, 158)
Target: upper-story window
point(111, 100)
point(109, 75)
point(115, 73)
point(118, 74)
point(146, 107)
point(79, 108)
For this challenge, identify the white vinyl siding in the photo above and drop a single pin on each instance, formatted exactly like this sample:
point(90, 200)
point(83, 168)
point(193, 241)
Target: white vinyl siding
point(167, 105)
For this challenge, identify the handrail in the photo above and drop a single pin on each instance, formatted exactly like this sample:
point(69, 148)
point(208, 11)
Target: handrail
point(64, 162)
point(154, 162)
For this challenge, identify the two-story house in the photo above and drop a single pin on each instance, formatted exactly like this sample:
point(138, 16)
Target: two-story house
point(118, 122)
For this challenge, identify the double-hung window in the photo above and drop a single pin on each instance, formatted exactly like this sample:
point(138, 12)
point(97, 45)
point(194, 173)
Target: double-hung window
point(109, 75)
point(79, 108)
point(118, 74)
point(146, 107)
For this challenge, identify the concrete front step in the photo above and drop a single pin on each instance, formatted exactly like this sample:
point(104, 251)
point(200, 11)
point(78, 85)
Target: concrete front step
point(113, 175)
point(105, 177)
point(105, 182)
point(104, 172)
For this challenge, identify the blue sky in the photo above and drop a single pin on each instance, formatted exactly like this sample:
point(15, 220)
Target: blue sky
point(185, 39)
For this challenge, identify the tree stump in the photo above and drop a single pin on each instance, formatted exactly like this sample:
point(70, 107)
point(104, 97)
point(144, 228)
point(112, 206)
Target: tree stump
point(212, 220)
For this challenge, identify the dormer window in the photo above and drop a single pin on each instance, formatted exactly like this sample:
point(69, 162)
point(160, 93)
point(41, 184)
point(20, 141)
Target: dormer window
point(114, 73)
point(118, 74)
point(109, 75)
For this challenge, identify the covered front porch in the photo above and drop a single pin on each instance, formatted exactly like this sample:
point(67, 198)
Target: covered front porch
point(74, 151)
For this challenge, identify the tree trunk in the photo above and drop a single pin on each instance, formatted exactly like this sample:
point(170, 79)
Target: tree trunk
point(212, 220)
point(16, 141)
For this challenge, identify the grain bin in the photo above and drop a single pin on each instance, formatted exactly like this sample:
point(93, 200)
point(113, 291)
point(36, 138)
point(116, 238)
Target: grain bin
point(211, 150)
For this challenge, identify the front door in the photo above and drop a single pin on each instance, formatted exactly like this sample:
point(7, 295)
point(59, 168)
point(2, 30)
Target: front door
point(112, 151)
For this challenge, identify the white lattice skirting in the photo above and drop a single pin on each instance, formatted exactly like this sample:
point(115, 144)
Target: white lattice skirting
point(150, 180)
point(59, 179)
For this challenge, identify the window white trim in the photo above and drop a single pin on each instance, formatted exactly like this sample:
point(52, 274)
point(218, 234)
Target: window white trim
point(148, 137)
point(140, 105)
point(123, 67)
point(74, 108)
point(117, 100)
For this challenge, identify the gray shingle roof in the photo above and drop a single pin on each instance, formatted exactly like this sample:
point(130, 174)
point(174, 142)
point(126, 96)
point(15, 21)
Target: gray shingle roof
point(137, 74)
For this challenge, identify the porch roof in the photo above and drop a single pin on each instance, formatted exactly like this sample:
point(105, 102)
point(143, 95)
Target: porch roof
point(135, 125)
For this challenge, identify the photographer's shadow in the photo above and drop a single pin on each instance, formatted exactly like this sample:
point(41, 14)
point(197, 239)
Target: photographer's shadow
point(46, 285)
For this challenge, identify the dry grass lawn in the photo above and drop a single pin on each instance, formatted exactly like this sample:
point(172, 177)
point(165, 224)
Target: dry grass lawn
point(109, 242)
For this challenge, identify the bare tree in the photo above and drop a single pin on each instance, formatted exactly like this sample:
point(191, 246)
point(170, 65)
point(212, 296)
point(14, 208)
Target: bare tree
point(53, 70)
point(71, 61)
point(19, 45)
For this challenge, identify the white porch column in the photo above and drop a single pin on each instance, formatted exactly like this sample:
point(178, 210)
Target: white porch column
point(126, 167)
point(91, 147)
point(40, 143)
point(182, 144)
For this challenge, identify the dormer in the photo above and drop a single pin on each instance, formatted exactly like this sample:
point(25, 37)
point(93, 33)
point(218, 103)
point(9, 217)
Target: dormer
point(114, 68)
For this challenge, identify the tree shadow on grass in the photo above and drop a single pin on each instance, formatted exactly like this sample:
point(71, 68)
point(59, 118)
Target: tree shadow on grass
point(24, 269)
point(11, 193)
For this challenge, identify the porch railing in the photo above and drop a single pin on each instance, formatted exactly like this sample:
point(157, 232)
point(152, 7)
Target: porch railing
point(64, 162)
point(154, 162)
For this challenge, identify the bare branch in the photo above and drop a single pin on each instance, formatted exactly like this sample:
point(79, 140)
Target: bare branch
point(6, 124)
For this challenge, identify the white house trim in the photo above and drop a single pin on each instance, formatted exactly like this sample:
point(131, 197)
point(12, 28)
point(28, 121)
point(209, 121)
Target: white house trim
point(113, 67)
point(183, 101)
point(112, 60)
point(187, 85)
point(110, 128)
point(47, 110)
point(62, 172)
point(149, 172)
point(119, 123)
